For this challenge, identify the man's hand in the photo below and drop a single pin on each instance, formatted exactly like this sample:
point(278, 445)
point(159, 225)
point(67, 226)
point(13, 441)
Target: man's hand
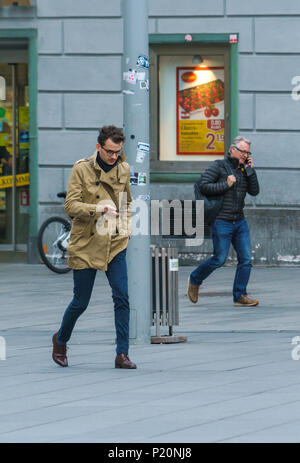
point(231, 180)
point(107, 209)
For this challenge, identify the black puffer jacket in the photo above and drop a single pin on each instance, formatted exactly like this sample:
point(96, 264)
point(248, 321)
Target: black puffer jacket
point(214, 182)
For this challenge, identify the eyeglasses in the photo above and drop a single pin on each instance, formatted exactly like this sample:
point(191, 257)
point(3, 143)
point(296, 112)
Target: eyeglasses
point(110, 152)
point(248, 153)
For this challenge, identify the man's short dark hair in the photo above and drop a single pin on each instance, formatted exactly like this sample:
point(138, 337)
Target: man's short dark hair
point(112, 132)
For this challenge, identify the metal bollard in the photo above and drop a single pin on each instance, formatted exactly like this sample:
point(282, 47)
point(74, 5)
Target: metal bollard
point(164, 293)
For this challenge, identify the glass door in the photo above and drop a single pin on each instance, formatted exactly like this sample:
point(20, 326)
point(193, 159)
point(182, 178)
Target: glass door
point(14, 157)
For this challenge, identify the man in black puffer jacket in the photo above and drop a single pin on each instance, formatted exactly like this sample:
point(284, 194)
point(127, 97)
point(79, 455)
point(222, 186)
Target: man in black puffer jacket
point(230, 225)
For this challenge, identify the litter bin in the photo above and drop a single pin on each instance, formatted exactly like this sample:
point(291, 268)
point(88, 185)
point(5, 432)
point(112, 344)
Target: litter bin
point(164, 293)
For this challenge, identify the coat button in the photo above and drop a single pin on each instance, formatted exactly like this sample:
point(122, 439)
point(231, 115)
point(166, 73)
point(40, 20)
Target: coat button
point(97, 183)
point(97, 196)
point(92, 233)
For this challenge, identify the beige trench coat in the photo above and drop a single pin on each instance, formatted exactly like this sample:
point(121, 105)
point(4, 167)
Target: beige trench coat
point(89, 185)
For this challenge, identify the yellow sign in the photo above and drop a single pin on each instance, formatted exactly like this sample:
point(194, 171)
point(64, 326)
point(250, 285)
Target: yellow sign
point(14, 2)
point(21, 180)
point(195, 137)
point(5, 139)
point(23, 115)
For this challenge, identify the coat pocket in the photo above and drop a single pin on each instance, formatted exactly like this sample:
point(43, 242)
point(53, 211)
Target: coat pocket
point(80, 226)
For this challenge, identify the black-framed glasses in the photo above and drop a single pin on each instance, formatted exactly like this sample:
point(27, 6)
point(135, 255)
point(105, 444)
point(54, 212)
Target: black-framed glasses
point(110, 152)
point(248, 153)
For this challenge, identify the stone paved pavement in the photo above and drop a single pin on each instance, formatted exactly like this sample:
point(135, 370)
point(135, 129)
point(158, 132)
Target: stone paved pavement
point(234, 380)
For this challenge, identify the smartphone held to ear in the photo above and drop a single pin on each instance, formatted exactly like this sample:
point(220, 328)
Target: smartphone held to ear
point(247, 163)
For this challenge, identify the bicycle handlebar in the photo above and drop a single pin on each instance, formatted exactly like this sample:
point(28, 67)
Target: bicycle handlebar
point(62, 194)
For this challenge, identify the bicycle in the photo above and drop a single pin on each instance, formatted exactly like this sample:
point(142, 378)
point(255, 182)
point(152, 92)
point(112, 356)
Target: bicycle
point(53, 240)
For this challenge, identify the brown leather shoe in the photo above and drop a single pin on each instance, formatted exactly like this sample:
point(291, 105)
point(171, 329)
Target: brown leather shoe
point(192, 292)
point(59, 353)
point(123, 361)
point(245, 301)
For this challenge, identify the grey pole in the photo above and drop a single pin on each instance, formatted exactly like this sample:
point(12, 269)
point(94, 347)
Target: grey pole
point(136, 128)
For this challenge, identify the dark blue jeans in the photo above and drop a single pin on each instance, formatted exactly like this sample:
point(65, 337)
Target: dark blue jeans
point(83, 285)
point(223, 234)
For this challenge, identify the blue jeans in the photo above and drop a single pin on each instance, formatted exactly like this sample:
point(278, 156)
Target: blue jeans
point(83, 285)
point(223, 234)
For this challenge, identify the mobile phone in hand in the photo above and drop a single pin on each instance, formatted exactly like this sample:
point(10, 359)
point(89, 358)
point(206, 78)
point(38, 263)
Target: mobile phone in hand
point(247, 162)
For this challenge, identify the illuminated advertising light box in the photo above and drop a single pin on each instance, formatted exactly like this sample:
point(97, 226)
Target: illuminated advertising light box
point(200, 110)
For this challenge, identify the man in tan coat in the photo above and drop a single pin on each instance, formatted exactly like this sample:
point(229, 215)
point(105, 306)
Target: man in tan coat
point(99, 200)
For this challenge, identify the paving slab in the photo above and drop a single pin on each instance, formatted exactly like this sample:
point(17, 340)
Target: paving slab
point(234, 380)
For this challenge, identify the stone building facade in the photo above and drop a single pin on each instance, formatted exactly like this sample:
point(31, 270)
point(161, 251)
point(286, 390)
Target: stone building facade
point(74, 50)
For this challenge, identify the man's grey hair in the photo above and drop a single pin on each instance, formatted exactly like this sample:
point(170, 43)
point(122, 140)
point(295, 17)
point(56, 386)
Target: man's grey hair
point(238, 139)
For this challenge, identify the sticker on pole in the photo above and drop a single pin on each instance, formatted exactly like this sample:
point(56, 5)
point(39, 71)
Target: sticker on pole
point(143, 146)
point(144, 84)
point(233, 38)
point(188, 38)
point(142, 151)
point(138, 178)
point(141, 75)
point(142, 178)
point(143, 61)
point(173, 265)
point(140, 156)
point(130, 77)
point(24, 201)
point(144, 197)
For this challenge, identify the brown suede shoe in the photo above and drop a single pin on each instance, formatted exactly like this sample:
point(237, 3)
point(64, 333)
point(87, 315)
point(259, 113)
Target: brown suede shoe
point(59, 353)
point(123, 361)
point(192, 292)
point(245, 301)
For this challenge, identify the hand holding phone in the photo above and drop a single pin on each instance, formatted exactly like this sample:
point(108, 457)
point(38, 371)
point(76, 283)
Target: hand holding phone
point(249, 162)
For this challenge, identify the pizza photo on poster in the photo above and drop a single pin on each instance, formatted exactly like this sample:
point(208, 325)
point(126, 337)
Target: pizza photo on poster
point(200, 110)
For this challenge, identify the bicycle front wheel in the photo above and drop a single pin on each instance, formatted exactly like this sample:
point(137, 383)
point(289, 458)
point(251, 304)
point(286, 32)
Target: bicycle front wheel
point(53, 239)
